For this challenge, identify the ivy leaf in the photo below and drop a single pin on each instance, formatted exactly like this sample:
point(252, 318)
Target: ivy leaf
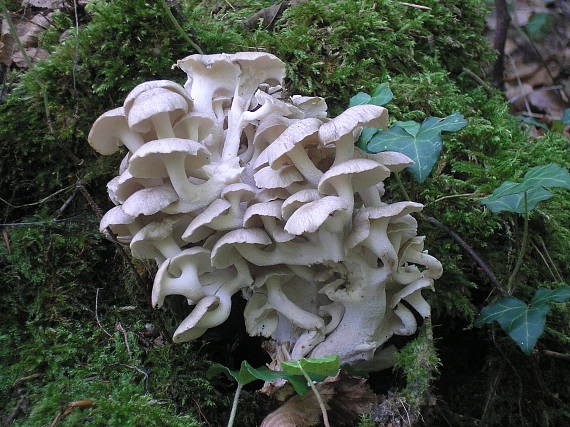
point(532, 121)
point(523, 323)
point(422, 143)
point(515, 202)
point(544, 296)
point(566, 117)
point(381, 95)
point(248, 374)
point(243, 376)
point(323, 367)
point(359, 99)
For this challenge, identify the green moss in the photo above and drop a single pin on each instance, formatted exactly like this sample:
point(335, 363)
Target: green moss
point(332, 49)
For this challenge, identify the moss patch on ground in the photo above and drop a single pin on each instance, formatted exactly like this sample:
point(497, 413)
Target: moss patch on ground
point(332, 49)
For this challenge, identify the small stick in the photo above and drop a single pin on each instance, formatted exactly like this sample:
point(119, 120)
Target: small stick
point(557, 355)
point(416, 6)
point(97, 315)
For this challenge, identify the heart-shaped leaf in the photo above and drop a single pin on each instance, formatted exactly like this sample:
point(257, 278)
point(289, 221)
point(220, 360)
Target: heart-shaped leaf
point(532, 121)
point(324, 367)
point(243, 376)
point(422, 143)
point(522, 323)
point(545, 296)
point(566, 117)
point(381, 95)
point(515, 202)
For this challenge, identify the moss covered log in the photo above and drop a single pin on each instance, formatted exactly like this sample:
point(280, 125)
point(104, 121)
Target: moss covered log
point(57, 348)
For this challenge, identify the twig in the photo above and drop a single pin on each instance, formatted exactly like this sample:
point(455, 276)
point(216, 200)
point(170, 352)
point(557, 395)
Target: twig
point(97, 315)
point(541, 240)
point(179, 28)
point(119, 327)
point(25, 379)
point(39, 202)
point(317, 395)
point(201, 413)
point(479, 80)
point(544, 260)
point(542, 89)
point(524, 95)
point(557, 355)
point(26, 224)
point(503, 20)
point(470, 251)
point(67, 203)
point(518, 264)
point(416, 6)
point(453, 196)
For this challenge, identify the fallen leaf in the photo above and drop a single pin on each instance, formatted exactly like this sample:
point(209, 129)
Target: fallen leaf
point(267, 14)
point(34, 53)
point(46, 4)
point(548, 101)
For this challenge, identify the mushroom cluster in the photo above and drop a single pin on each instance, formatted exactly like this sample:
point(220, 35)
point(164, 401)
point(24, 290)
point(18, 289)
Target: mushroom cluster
point(230, 185)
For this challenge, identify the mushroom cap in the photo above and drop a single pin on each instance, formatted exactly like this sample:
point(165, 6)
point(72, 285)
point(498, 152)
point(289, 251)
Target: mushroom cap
point(296, 200)
point(270, 209)
point(124, 163)
point(152, 102)
point(198, 228)
point(218, 66)
point(149, 201)
point(203, 122)
point(301, 132)
point(269, 129)
point(277, 178)
point(261, 318)
point(104, 134)
point(363, 174)
point(198, 256)
point(268, 194)
point(123, 186)
point(393, 160)
point(308, 218)
point(145, 163)
point(141, 243)
point(154, 84)
point(222, 251)
point(115, 216)
point(361, 223)
point(188, 330)
point(244, 192)
point(265, 273)
point(350, 120)
point(268, 66)
point(312, 106)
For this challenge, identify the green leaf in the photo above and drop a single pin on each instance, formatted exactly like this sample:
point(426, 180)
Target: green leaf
point(359, 99)
point(381, 95)
point(515, 202)
point(365, 137)
point(538, 26)
point(522, 323)
point(545, 296)
point(324, 367)
point(566, 117)
point(422, 143)
point(532, 121)
point(243, 376)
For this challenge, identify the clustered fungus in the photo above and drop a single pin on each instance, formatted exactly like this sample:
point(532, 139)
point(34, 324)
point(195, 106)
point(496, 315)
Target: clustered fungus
point(231, 185)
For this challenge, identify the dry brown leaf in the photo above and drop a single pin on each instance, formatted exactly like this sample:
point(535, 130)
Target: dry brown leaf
point(345, 397)
point(516, 94)
point(548, 101)
point(45, 4)
point(267, 14)
point(34, 53)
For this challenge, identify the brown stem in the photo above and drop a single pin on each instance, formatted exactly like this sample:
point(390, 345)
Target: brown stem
point(501, 30)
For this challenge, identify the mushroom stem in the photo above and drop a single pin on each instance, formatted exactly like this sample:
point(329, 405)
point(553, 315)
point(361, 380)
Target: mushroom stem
point(305, 165)
point(167, 247)
point(162, 125)
point(371, 197)
point(132, 140)
point(292, 311)
point(379, 243)
point(344, 149)
point(177, 173)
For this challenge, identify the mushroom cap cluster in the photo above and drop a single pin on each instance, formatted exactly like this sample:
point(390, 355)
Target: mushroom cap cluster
point(230, 185)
